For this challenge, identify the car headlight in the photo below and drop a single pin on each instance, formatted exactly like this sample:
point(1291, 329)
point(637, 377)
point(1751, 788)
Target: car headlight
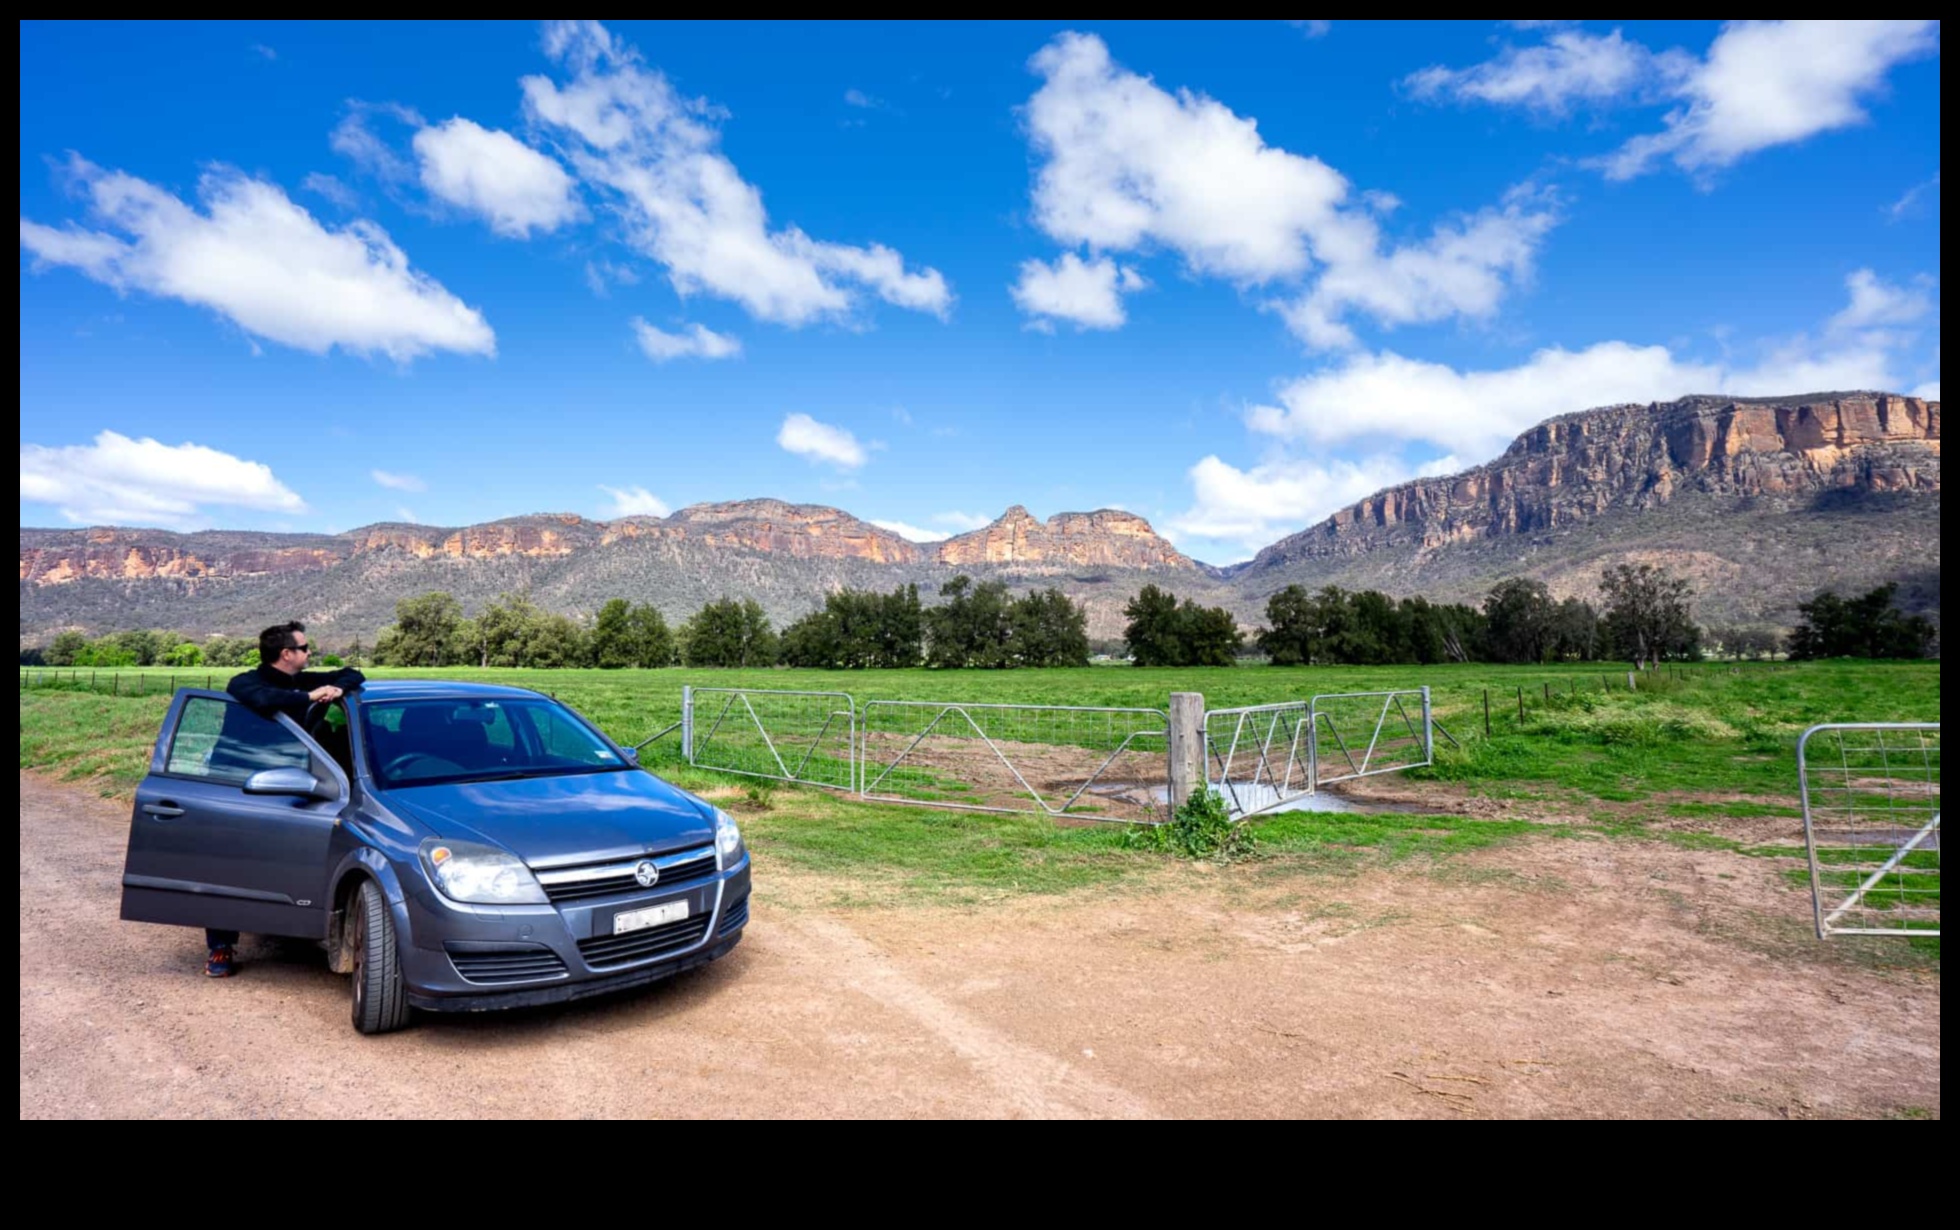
point(728, 840)
point(480, 875)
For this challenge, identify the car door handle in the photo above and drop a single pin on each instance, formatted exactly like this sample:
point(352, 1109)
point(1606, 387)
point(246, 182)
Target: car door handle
point(165, 808)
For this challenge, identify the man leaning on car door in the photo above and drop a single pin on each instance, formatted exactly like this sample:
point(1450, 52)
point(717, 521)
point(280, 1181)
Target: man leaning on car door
point(281, 684)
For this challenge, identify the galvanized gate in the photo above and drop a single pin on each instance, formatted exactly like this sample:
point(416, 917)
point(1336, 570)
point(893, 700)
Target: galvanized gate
point(1379, 724)
point(807, 737)
point(1871, 824)
point(1264, 757)
point(1093, 763)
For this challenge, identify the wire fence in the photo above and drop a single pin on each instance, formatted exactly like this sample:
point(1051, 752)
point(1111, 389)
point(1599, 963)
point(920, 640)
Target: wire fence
point(806, 737)
point(1058, 760)
point(120, 682)
point(1871, 819)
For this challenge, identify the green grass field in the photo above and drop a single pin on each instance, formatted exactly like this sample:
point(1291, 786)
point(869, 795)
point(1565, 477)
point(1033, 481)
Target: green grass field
point(1715, 742)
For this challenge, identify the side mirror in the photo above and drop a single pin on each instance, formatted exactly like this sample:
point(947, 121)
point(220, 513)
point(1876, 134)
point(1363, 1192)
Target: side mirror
point(288, 781)
point(632, 755)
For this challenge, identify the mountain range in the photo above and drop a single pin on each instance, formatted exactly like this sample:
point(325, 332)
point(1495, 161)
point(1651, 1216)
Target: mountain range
point(1760, 501)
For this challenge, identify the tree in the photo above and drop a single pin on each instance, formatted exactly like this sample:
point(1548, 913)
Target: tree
point(1292, 636)
point(1518, 617)
point(971, 628)
point(184, 653)
point(1647, 613)
point(1575, 631)
point(424, 632)
point(1046, 629)
point(653, 640)
point(551, 641)
point(63, 649)
point(1869, 626)
point(1152, 632)
point(613, 641)
point(728, 632)
point(1208, 635)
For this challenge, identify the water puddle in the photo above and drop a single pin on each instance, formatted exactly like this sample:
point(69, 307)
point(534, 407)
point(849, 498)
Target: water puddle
point(1245, 799)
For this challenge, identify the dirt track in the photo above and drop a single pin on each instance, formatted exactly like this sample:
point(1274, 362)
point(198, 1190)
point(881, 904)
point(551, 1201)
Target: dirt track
point(1556, 977)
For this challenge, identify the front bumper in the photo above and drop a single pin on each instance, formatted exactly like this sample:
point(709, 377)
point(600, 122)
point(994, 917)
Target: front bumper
point(467, 958)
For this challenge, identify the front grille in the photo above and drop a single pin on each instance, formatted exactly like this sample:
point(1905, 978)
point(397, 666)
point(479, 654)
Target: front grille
point(623, 882)
point(639, 945)
point(737, 915)
point(508, 965)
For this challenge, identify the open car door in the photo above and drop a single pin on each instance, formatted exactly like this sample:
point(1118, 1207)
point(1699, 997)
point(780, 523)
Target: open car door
point(233, 825)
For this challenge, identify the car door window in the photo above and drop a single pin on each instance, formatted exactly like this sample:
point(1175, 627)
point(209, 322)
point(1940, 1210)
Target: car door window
point(222, 741)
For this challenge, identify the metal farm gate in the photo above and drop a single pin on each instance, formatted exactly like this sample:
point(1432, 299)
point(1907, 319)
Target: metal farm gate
point(1871, 825)
point(1083, 762)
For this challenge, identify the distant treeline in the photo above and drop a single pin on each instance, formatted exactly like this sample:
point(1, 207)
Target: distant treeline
point(1643, 615)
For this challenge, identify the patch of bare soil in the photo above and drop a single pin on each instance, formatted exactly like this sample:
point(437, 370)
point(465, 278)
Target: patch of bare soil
point(1553, 977)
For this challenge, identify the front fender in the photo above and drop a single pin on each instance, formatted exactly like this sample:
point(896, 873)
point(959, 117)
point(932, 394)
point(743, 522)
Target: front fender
point(364, 862)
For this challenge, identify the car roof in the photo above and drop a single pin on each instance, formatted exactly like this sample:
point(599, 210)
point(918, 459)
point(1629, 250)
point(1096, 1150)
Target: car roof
point(439, 689)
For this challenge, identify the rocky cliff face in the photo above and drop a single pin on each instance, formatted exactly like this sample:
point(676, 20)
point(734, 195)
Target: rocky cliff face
point(1578, 467)
point(800, 531)
point(1103, 539)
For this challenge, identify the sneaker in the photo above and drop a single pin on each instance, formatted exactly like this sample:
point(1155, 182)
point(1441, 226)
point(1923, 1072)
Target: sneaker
point(218, 964)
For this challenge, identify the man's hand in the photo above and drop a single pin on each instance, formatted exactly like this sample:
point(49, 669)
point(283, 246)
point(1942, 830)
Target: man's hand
point(324, 693)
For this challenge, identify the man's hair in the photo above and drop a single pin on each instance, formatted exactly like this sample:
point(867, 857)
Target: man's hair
point(276, 639)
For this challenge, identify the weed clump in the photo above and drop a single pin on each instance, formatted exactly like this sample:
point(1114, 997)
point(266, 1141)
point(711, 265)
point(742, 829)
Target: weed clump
point(1202, 828)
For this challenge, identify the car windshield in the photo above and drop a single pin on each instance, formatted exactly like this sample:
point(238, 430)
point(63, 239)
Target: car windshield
point(427, 742)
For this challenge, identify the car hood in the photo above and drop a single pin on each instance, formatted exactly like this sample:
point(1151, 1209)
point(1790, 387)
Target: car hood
point(556, 821)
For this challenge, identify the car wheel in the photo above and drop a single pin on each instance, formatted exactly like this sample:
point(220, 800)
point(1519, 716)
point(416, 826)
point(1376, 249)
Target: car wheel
point(380, 994)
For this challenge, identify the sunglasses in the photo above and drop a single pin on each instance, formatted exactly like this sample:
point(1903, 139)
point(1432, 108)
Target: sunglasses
point(300, 648)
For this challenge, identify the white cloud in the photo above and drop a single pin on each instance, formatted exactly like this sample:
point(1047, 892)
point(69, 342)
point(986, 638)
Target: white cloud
point(634, 502)
point(1768, 83)
point(120, 481)
point(1313, 29)
point(858, 98)
point(1243, 510)
point(602, 275)
point(263, 263)
point(1129, 167)
point(1930, 391)
point(912, 532)
point(1877, 304)
point(963, 521)
point(265, 52)
point(398, 482)
point(355, 140)
point(656, 155)
point(405, 513)
point(1570, 66)
point(323, 185)
point(822, 442)
point(692, 342)
point(1085, 293)
point(1912, 201)
point(517, 189)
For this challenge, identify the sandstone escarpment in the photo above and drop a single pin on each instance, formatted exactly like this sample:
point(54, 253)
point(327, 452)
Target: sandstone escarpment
point(1578, 467)
point(1107, 538)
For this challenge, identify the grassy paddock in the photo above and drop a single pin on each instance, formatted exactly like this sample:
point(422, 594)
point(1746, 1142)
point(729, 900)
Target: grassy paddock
point(1717, 742)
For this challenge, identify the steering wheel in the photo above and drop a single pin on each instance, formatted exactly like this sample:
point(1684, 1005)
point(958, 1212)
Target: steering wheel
point(394, 767)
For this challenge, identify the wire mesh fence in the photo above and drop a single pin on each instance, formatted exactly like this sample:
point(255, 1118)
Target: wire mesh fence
point(1260, 757)
point(1060, 760)
point(1871, 818)
point(806, 737)
point(120, 682)
point(1361, 734)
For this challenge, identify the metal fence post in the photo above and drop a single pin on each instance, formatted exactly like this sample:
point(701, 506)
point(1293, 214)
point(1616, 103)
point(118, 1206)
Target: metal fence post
point(1428, 728)
point(687, 723)
point(1187, 746)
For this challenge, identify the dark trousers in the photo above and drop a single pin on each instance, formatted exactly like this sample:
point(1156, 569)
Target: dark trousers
point(219, 939)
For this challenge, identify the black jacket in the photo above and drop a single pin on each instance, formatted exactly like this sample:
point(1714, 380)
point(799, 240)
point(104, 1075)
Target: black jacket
point(269, 690)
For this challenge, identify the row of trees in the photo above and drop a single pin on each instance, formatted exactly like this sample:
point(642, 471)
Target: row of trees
point(980, 625)
point(1868, 626)
point(1165, 632)
point(1645, 619)
point(143, 647)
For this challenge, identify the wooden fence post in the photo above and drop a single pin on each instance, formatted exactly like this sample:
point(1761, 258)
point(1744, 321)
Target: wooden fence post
point(1486, 713)
point(1187, 714)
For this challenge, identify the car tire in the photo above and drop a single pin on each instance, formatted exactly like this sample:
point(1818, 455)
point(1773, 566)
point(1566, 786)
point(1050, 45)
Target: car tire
point(379, 993)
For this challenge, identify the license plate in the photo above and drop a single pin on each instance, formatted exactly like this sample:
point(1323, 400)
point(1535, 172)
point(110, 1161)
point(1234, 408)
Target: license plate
point(652, 916)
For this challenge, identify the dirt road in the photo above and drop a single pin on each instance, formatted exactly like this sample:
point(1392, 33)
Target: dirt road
point(1548, 978)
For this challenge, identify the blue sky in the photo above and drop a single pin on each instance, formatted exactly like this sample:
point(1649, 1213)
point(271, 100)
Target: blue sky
point(1228, 277)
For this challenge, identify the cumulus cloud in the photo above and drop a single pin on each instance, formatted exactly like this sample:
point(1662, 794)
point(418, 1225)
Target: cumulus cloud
point(1242, 510)
point(695, 341)
point(1768, 83)
point(355, 139)
point(331, 189)
point(656, 156)
point(634, 502)
point(261, 261)
point(912, 532)
point(1130, 167)
point(1088, 294)
point(821, 442)
point(1568, 68)
point(489, 172)
point(963, 521)
point(120, 481)
point(398, 482)
point(1878, 304)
